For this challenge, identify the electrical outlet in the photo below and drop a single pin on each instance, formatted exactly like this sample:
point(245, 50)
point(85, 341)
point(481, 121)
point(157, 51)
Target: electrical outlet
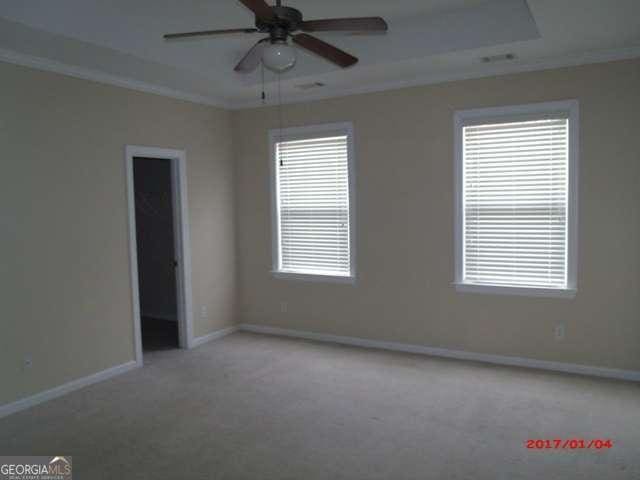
point(559, 332)
point(28, 362)
point(203, 312)
point(284, 307)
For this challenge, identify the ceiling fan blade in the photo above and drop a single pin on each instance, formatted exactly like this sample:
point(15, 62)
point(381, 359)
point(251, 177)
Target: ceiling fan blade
point(252, 58)
point(204, 33)
point(260, 8)
point(360, 24)
point(325, 50)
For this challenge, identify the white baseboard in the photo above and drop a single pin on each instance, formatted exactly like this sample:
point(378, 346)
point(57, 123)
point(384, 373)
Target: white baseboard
point(631, 375)
point(212, 336)
point(65, 388)
point(79, 383)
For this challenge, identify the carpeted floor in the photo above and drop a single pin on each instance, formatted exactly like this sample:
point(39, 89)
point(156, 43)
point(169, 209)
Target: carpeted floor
point(259, 407)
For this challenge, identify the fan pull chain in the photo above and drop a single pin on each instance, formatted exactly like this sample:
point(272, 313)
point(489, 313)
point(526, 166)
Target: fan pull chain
point(262, 96)
point(280, 114)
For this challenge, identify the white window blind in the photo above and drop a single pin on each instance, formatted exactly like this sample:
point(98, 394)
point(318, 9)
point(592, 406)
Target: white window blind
point(312, 176)
point(515, 195)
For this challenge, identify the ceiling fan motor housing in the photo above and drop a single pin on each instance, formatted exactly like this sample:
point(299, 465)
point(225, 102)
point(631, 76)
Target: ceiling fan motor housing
point(286, 20)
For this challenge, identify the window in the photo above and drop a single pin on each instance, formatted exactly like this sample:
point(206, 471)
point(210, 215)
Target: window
point(516, 173)
point(312, 170)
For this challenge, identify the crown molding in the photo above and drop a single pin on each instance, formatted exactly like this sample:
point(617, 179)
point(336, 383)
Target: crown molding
point(573, 60)
point(40, 63)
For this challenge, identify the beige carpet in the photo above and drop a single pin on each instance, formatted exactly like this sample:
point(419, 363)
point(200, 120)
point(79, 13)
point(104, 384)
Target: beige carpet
point(259, 407)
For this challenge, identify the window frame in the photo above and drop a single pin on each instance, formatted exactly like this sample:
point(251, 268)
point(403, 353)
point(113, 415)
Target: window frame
point(299, 133)
point(533, 111)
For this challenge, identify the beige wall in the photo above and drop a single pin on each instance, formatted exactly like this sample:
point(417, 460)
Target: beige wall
point(64, 274)
point(405, 214)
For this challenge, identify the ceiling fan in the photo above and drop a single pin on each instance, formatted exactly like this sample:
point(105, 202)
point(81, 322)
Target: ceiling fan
point(280, 22)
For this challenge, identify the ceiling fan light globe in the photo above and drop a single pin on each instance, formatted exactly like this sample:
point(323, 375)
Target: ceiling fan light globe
point(279, 57)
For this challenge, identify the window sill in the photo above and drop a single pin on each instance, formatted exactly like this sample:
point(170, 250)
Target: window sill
point(521, 291)
point(313, 277)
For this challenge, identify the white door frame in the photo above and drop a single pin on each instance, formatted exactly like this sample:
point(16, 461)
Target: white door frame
point(181, 236)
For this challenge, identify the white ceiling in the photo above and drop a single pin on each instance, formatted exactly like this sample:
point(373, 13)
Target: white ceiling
point(120, 41)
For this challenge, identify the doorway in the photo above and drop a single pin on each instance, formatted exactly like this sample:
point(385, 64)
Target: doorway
point(160, 260)
point(156, 253)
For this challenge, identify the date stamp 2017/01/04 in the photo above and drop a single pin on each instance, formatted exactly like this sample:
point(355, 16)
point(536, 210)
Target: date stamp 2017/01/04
point(568, 443)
